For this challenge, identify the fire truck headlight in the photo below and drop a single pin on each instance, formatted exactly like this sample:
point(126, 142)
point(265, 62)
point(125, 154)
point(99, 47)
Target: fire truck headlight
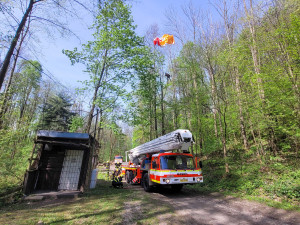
point(167, 181)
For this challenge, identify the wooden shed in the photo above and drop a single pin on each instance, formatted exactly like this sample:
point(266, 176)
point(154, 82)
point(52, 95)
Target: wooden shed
point(61, 161)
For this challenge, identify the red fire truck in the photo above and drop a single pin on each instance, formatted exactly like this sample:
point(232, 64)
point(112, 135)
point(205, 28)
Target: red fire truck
point(164, 161)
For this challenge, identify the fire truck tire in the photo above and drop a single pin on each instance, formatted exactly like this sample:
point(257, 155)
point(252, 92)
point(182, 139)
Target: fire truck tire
point(145, 183)
point(127, 176)
point(176, 187)
point(131, 176)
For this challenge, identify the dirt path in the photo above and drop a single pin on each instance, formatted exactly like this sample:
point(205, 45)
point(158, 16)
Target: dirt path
point(194, 208)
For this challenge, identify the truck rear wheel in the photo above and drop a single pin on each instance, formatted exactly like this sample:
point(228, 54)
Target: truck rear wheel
point(145, 183)
point(176, 187)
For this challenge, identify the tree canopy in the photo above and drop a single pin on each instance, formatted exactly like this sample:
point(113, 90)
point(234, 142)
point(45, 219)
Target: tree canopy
point(56, 113)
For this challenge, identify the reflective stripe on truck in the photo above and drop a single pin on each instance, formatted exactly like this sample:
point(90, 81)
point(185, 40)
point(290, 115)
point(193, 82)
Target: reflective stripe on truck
point(176, 177)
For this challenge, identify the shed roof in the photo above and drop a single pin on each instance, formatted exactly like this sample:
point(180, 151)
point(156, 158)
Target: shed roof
point(64, 135)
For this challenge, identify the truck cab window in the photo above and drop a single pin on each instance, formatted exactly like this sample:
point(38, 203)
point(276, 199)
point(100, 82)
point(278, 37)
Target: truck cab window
point(154, 164)
point(174, 162)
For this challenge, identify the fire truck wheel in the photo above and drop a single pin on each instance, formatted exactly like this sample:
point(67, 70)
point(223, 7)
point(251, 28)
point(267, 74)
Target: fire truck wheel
point(127, 176)
point(176, 187)
point(145, 183)
point(131, 176)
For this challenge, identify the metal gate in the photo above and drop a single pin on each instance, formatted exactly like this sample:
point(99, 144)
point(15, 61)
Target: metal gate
point(70, 173)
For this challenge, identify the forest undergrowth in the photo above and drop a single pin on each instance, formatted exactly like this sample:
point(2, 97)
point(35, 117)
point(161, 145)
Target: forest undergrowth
point(275, 181)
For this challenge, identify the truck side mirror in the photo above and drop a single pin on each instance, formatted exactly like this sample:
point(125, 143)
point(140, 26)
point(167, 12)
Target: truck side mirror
point(200, 164)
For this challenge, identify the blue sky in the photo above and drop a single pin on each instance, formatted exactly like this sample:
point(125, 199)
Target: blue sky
point(145, 13)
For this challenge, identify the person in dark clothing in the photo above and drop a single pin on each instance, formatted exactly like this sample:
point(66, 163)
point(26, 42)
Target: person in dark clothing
point(117, 177)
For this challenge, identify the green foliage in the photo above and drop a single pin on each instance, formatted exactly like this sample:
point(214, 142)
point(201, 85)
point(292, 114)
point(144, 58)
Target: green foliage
point(56, 113)
point(29, 76)
point(15, 147)
point(138, 137)
point(19, 101)
point(20, 110)
point(111, 58)
point(278, 179)
point(77, 122)
point(114, 140)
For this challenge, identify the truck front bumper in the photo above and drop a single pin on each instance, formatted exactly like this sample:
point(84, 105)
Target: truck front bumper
point(181, 180)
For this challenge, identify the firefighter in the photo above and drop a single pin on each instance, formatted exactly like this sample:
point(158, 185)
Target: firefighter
point(117, 176)
point(107, 169)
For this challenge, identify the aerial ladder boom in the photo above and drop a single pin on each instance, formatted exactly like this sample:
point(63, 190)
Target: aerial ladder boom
point(177, 140)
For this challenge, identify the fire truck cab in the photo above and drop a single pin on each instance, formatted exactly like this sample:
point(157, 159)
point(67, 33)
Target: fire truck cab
point(163, 167)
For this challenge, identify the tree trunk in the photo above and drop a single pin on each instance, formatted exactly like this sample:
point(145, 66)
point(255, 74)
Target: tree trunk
point(255, 142)
point(33, 108)
point(223, 138)
point(99, 133)
point(90, 117)
point(198, 113)
point(216, 106)
point(100, 126)
point(3, 108)
point(213, 95)
point(242, 121)
point(24, 104)
point(292, 77)
point(175, 113)
point(254, 51)
point(155, 116)
point(163, 131)
point(150, 120)
point(229, 28)
point(14, 43)
point(111, 145)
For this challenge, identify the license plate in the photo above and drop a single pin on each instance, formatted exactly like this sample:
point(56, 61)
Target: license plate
point(183, 180)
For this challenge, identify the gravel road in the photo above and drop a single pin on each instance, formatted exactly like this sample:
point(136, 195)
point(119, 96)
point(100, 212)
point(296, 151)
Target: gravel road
point(194, 208)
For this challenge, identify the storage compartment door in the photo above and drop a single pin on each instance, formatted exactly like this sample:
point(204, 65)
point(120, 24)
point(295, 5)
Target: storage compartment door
point(71, 170)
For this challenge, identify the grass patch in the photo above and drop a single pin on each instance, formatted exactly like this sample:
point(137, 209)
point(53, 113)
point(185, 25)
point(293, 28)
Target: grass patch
point(99, 206)
point(102, 205)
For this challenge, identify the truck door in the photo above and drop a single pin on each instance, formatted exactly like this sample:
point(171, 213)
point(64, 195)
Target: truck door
point(154, 166)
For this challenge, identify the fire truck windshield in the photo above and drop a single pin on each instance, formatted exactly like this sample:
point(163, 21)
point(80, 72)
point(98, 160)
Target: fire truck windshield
point(174, 162)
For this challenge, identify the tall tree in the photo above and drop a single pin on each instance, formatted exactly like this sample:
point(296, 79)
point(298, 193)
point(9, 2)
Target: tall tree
point(15, 40)
point(24, 87)
point(56, 114)
point(109, 58)
point(46, 14)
